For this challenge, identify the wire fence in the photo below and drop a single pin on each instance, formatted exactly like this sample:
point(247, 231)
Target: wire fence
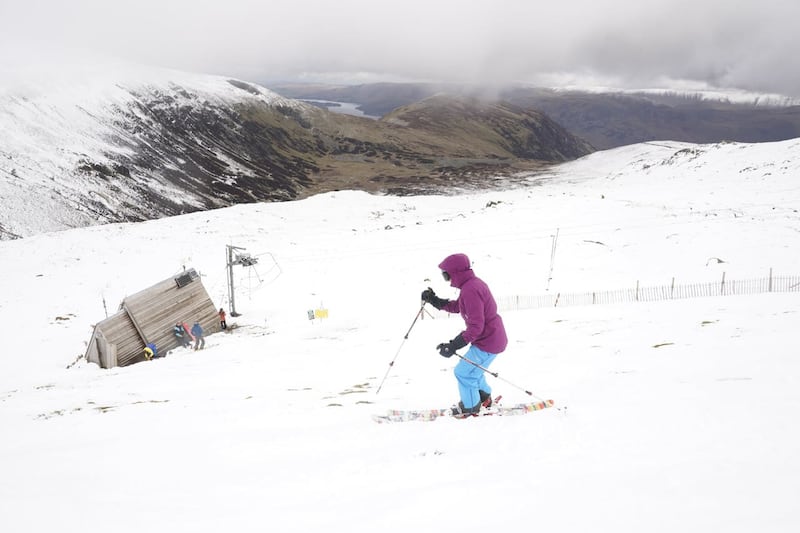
point(652, 294)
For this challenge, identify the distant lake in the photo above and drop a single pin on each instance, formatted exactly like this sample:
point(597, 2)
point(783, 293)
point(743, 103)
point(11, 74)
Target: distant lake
point(344, 108)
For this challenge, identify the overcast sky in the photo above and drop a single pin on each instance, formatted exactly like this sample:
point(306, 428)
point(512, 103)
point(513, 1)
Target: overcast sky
point(744, 44)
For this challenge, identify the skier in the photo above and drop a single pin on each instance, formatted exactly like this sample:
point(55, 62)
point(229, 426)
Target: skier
point(484, 331)
point(222, 323)
point(197, 332)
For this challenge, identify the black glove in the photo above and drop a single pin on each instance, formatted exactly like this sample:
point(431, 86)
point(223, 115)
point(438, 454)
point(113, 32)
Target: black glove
point(430, 297)
point(447, 349)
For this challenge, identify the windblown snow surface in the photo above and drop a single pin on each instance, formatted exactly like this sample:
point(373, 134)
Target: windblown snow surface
point(671, 415)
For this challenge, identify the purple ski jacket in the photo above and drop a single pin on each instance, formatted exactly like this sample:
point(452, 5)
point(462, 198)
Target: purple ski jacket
point(476, 304)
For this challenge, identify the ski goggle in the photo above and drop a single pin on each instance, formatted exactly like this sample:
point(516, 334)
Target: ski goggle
point(445, 275)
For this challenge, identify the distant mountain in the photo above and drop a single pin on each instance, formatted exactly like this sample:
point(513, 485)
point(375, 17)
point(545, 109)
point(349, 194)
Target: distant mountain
point(471, 125)
point(615, 119)
point(87, 151)
point(604, 119)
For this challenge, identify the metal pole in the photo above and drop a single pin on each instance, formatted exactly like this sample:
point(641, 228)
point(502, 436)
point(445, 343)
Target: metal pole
point(552, 258)
point(495, 374)
point(391, 364)
point(229, 263)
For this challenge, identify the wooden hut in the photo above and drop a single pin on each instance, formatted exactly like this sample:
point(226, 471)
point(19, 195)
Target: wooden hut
point(149, 316)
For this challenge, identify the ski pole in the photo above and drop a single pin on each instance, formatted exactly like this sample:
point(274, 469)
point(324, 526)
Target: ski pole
point(405, 338)
point(495, 374)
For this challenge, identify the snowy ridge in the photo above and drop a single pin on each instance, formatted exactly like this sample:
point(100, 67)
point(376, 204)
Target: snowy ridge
point(64, 136)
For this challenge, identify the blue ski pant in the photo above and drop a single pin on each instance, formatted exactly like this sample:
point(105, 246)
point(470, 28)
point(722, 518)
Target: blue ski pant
point(470, 378)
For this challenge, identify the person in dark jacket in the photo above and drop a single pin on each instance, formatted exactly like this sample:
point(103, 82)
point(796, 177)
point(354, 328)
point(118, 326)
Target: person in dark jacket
point(150, 351)
point(484, 331)
point(197, 333)
point(181, 335)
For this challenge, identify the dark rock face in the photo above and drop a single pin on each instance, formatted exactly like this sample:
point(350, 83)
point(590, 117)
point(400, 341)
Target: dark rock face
point(214, 154)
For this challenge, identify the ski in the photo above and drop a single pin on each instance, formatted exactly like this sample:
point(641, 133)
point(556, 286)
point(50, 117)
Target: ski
point(429, 415)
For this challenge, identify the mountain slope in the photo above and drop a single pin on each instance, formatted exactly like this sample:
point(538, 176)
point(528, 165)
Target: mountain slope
point(604, 119)
point(110, 151)
point(616, 119)
point(437, 145)
point(518, 132)
point(673, 415)
point(114, 149)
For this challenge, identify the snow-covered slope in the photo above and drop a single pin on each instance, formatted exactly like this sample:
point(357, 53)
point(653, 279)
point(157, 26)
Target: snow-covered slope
point(96, 146)
point(675, 415)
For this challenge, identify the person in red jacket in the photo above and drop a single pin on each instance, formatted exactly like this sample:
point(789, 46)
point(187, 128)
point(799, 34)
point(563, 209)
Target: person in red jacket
point(484, 331)
point(222, 323)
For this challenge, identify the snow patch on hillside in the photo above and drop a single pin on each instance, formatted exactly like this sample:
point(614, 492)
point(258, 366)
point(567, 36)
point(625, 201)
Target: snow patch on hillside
point(58, 127)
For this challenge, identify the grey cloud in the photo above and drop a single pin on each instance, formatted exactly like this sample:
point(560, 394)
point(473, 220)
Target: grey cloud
point(747, 44)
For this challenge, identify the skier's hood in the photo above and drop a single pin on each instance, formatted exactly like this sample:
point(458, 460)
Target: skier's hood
point(458, 267)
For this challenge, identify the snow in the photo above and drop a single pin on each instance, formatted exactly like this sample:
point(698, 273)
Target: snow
point(671, 415)
point(55, 120)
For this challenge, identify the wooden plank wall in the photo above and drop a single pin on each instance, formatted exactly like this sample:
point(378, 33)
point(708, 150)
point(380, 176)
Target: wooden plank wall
point(129, 345)
point(155, 310)
point(92, 352)
point(117, 329)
